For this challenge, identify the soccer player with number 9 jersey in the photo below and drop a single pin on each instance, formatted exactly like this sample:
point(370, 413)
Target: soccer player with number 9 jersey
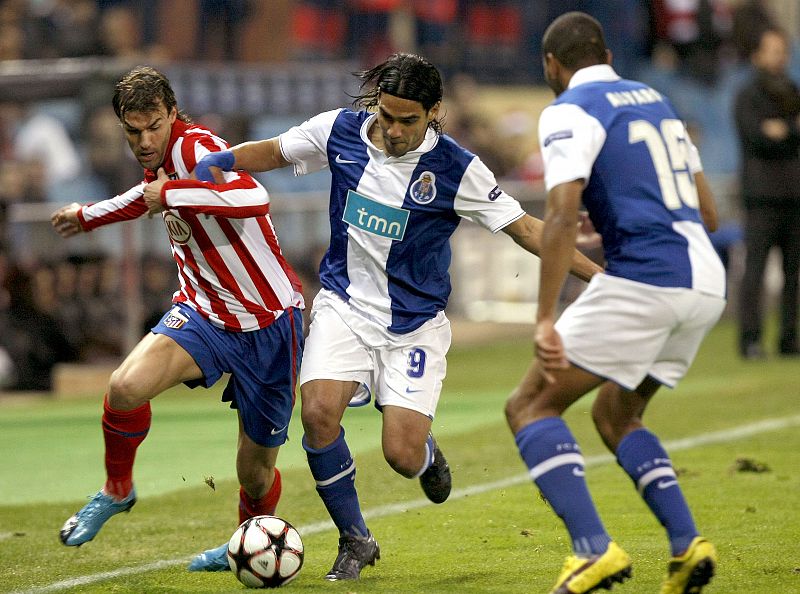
point(378, 327)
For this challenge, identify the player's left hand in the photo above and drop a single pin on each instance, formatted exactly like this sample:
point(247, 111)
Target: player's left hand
point(152, 192)
point(549, 350)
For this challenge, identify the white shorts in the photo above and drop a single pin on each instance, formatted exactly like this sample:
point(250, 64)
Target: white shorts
point(624, 331)
point(404, 370)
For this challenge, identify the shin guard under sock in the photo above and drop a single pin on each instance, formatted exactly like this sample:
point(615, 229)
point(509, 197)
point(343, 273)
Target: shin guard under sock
point(334, 470)
point(557, 467)
point(123, 431)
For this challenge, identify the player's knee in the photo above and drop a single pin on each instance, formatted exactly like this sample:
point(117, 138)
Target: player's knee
point(319, 419)
point(255, 482)
point(513, 409)
point(124, 392)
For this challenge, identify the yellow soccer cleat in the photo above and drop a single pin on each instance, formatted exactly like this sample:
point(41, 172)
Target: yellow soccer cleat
point(581, 575)
point(691, 571)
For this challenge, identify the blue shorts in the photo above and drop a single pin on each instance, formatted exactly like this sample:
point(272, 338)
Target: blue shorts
point(263, 365)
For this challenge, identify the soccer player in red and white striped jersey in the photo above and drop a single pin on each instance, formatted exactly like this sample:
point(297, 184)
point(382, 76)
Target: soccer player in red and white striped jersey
point(237, 309)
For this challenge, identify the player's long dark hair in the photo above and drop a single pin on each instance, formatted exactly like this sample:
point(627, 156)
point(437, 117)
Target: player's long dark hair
point(407, 76)
point(576, 40)
point(142, 89)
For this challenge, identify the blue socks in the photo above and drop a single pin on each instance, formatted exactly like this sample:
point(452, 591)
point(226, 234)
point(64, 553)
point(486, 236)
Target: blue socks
point(335, 472)
point(557, 467)
point(646, 462)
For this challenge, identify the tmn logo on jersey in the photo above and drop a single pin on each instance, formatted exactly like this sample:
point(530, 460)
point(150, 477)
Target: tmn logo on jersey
point(179, 230)
point(423, 191)
point(175, 319)
point(373, 217)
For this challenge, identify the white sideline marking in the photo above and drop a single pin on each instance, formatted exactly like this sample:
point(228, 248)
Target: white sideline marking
point(722, 436)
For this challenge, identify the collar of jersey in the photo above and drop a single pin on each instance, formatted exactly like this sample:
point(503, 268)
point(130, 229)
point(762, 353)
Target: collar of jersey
point(597, 73)
point(431, 138)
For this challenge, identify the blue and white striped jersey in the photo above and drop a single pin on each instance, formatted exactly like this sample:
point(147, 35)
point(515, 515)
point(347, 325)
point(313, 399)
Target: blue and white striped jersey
point(626, 141)
point(392, 217)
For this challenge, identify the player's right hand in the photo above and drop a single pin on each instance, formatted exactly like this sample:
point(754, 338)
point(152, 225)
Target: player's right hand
point(222, 159)
point(65, 220)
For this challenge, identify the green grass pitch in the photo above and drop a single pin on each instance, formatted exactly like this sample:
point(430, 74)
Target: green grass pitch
point(494, 535)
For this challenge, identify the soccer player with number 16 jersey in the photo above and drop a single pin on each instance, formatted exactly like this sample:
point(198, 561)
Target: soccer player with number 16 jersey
point(618, 146)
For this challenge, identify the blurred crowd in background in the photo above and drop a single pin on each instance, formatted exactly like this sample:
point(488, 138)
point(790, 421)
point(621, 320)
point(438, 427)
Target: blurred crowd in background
point(61, 306)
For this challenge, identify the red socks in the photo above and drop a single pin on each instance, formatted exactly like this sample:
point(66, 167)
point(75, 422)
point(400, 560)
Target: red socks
point(249, 507)
point(123, 431)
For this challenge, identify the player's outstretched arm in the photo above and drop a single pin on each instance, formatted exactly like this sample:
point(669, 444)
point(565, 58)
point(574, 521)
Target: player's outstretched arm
point(257, 155)
point(65, 220)
point(527, 232)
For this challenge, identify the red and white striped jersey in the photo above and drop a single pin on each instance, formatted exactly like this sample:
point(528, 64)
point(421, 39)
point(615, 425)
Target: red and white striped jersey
point(230, 266)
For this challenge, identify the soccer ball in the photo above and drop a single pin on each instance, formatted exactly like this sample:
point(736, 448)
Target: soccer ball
point(265, 552)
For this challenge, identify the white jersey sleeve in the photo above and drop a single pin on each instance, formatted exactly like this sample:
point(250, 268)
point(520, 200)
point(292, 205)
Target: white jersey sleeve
point(481, 200)
point(305, 146)
point(570, 140)
point(693, 157)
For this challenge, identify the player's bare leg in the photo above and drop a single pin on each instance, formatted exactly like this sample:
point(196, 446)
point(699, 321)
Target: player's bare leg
point(616, 412)
point(323, 405)
point(535, 398)
point(411, 451)
point(155, 364)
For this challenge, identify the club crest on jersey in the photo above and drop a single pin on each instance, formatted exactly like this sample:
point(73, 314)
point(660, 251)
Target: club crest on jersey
point(423, 191)
point(179, 230)
point(373, 217)
point(175, 319)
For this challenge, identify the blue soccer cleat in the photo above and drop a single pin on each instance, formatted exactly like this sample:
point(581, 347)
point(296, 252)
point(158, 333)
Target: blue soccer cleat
point(211, 560)
point(84, 525)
